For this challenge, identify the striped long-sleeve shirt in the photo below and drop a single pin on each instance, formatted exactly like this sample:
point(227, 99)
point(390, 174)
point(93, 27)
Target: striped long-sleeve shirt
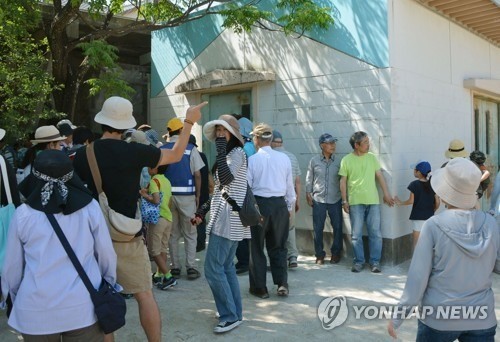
point(224, 221)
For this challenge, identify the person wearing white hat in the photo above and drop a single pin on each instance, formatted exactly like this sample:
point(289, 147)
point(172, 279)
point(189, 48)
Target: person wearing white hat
point(46, 138)
point(120, 166)
point(456, 253)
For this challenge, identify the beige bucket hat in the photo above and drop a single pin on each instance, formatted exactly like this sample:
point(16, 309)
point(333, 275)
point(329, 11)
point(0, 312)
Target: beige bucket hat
point(47, 134)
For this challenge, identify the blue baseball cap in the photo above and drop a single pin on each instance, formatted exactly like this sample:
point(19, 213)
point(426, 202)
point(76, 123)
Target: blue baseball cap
point(277, 137)
point(326, 138)
point(423, 166)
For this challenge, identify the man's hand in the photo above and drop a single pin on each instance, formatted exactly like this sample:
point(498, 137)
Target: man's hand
point(194, 112)
point(297, 207)
point(309, 199)
point(389, 200)
point(391, 330)
point(345, 206)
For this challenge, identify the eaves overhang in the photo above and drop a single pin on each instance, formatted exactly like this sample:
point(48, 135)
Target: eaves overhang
point(220, 80)
point(479, 16)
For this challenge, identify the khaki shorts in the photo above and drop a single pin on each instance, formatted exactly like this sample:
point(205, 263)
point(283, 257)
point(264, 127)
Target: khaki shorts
point(133, 270)
point(158, 236)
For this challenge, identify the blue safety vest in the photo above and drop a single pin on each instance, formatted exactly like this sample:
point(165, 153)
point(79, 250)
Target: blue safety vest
point(179, 174)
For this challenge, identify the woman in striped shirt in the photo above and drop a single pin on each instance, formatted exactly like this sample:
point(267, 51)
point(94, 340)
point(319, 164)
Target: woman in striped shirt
point(225, 228)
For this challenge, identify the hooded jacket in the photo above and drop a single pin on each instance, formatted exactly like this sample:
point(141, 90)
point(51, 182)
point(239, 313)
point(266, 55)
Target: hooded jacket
point(452, 266)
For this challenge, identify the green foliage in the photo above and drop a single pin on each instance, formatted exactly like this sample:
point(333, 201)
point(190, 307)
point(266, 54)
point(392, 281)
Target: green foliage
point(102, 57)
point(109, 83)
point(26, 87)
point(99, 54)
point(294, 16)
point(303, 15)
point(242, 19)
point(161, 11)
point(24, 82)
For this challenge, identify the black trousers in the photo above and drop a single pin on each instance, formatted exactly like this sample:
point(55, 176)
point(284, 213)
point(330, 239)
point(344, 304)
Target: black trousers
point(273, 232)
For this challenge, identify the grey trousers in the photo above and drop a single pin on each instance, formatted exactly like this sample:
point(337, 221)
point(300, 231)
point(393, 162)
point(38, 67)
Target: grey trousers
point(291, 244)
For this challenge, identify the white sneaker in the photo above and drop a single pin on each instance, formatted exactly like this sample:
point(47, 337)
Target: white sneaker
point(226, 326)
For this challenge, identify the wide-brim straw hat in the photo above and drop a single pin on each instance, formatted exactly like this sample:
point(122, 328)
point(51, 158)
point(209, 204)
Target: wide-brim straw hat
point(456, 149)
point(2, 133)
point(229, 122)
point(457, 183)
point(116, 112)
point(47, 134)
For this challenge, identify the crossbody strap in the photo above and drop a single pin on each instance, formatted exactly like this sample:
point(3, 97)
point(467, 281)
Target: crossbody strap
point(71, 254)
point(228, 198)
point(5, 178)
point(94, 167)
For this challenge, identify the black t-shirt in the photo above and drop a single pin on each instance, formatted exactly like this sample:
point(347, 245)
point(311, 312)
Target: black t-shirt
point(423, 200)
point(120, 164)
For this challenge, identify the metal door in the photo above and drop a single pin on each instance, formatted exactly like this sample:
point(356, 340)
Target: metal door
point(225, 103)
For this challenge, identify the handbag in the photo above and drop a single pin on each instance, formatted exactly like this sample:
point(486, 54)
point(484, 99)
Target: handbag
point(6, 212)
point(249, 212)
point(109, 305)
point(150, 212)
point(121, 228)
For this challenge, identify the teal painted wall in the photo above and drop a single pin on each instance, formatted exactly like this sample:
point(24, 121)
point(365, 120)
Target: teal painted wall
point(360, 30)
point(173, 49)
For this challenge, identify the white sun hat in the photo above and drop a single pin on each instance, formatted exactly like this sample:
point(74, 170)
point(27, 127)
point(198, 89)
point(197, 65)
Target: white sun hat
point(116, 112)
point(457, 182)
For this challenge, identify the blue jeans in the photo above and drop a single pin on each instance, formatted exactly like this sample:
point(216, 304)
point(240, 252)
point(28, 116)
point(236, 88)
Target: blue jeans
point(319, 216)
point(427, 334)
point(371, 214)
point(221, 277)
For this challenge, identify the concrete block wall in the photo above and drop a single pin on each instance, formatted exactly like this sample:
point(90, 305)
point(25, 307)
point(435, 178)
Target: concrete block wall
point(429, 105)
point(411, 109)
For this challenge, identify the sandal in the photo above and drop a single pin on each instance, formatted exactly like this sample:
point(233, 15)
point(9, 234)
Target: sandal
point(193, 273)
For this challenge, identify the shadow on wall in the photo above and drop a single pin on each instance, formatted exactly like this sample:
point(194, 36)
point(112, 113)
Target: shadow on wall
point(331, 99)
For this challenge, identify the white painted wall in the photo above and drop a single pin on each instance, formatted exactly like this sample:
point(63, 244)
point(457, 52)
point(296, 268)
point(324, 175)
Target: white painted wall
point(317, 90)
point(430, 57)
point(410, 110)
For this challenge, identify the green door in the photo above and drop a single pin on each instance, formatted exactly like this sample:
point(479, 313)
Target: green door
point(224, 103)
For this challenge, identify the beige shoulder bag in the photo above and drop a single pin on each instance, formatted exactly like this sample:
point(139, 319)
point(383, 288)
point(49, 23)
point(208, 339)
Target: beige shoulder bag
point(121, 227)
